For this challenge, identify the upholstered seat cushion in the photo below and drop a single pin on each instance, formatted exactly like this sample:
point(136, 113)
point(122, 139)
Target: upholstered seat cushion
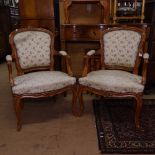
point(41, 82)
point(113, 80)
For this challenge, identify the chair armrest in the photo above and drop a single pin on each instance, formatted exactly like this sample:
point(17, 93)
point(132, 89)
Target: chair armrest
point(144, 69)
point(91, 52)
point(67, 61)
point(87, 57)
point(63, 53)
point(9, 64)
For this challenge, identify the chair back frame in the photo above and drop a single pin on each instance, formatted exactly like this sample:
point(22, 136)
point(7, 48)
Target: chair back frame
point(142, 32)
point(21, 71)
point(50, 92)
point(85, 83)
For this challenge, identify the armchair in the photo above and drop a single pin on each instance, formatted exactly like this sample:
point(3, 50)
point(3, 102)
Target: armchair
point(122, 51)
point(33, 53)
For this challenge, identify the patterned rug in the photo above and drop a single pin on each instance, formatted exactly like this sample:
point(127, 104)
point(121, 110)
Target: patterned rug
point(115, 127)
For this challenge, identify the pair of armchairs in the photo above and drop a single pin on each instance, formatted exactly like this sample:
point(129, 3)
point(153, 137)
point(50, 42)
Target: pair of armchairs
point(121, 52)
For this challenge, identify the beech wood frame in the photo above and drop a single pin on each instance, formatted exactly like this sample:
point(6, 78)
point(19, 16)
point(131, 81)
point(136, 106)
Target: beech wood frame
point(136, 96)
point(18, 105)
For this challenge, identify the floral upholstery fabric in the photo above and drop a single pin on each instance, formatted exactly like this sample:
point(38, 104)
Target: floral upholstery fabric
point(113, 80)
point(41, 82)
point(33, 48)
point(120, 47)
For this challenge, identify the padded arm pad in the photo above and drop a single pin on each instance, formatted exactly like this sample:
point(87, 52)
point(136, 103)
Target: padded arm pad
point(63, 53)
point(8, 58)
point(146, 56)
point(91, 52)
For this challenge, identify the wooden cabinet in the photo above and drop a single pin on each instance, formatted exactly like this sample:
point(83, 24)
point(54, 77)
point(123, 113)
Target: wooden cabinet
point(86, 11)
point(150, 18)
point(9, 19)
point(80, 29)
point(74, 32)
point(37, 13)
point(5, 29)
point(2, 47)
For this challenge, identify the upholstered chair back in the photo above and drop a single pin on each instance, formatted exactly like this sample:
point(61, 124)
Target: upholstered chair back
point(121, 47)
point(33, 48)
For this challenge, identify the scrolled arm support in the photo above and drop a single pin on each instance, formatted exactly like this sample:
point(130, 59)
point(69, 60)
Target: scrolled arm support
point(67, 61)
point(144, 73)
point(86, 62)
point(63, 53)
point(91, 52)
point(9, 64)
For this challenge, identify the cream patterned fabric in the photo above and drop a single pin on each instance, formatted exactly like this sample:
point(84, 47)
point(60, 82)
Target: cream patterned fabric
point(41, 82)
point(33, 48)
point(113, 80)
point(120, 47)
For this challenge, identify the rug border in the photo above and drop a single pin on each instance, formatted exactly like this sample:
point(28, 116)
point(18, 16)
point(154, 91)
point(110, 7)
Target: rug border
point(102, 147)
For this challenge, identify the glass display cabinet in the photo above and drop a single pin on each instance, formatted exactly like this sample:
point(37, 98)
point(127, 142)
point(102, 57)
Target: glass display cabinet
point(9, 16)
point(127, 10)
point(13, 11)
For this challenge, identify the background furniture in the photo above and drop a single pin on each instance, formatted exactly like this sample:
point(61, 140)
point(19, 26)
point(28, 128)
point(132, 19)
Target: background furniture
point(78, 39)
point(37, 13)
point(80, 29)
point(9, 19)
point(129, 10)
point(150, 18)
point(86, 11)
point(13, 12)
point(5, 29)
point(33, 52)
point(121, 50)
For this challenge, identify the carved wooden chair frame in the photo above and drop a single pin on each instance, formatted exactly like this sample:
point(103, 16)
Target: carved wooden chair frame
point(18, 105)
point(137, 96)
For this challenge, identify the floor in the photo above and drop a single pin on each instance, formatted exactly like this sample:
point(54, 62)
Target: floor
point(49, 128)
